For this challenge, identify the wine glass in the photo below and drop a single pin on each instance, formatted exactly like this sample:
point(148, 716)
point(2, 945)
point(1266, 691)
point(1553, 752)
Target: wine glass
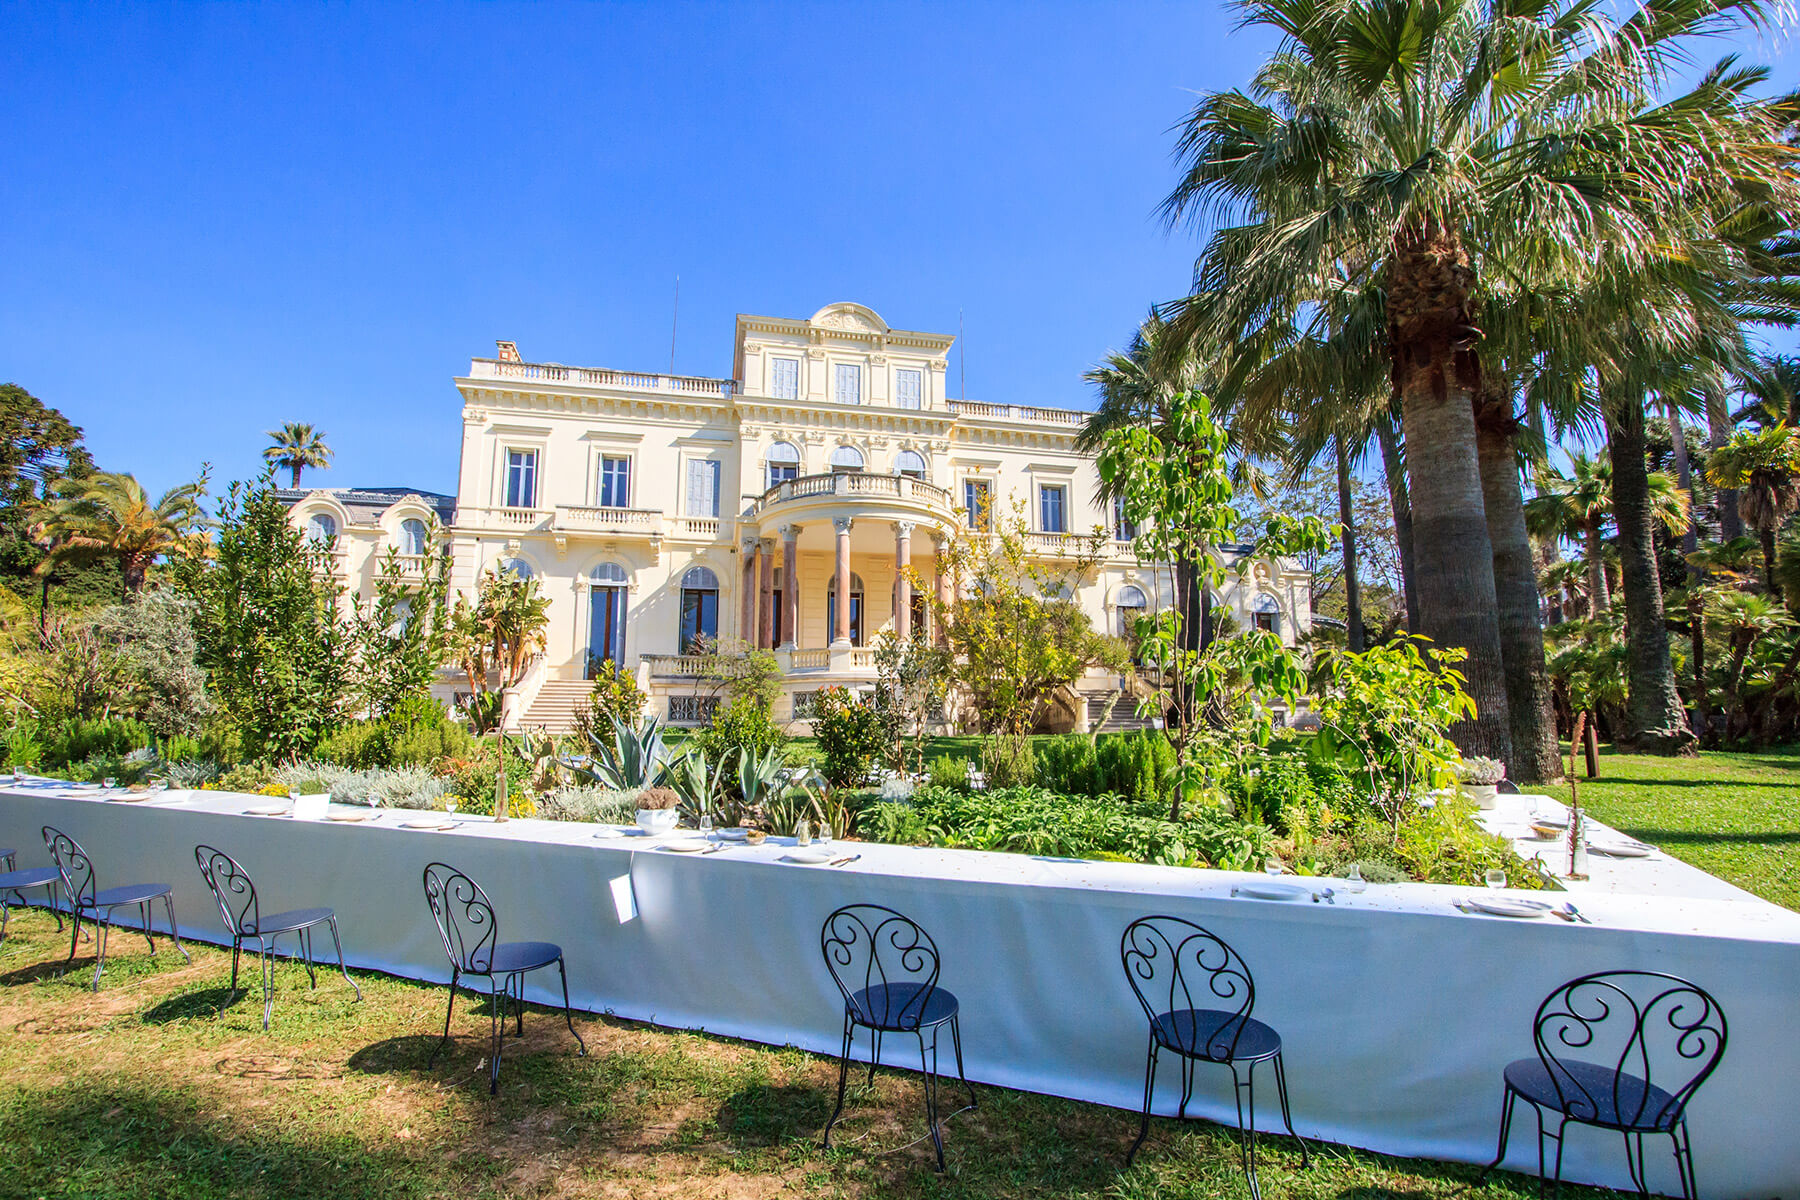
point(109, 783)
point(450, 804)
point(1496, 878)
point(706, 826)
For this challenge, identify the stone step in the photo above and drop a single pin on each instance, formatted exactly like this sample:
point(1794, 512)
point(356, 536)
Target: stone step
point(553, 708)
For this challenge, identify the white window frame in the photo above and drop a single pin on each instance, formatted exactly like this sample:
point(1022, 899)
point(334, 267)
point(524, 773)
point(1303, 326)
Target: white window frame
point(774, 377)
point(600, 477)
point(837, 378)
point(1062, 507)
point(687, 483)
point(506, 475)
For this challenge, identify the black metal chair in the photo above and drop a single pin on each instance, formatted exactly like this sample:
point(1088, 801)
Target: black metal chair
point(897, 963)
point(471, 932)
point(233, 888)
point(1631, 1029)
point(1168, 961)
point(85, 899)
point(15, 882)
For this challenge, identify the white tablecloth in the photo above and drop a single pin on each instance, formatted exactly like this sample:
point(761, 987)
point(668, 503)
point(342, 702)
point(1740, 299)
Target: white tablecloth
point(1397, 1011)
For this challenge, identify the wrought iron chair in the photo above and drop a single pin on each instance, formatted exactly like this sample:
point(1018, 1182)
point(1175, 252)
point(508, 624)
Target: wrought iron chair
point(896, 962)
point(233, 888)
point(471, 932)
point(16, 882)
point(1646, 1042)
point(1168, 962)
point(85, 899)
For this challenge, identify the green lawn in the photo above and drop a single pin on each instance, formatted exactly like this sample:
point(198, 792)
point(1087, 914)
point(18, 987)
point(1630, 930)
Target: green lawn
point(1734, 815)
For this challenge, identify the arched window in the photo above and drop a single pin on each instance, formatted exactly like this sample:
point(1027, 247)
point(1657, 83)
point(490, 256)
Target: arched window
point(412, 537)
point(699, 607)
point(1265, 613)
point(1131, 604)
point(856, 609)
point(846, 458)
point(910, 462)
point(784, 463)
point(321, 527)
point(518, 568)
point(608, 599)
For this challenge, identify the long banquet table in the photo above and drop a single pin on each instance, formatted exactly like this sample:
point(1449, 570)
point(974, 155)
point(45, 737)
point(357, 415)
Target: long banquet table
point(1397, 1010)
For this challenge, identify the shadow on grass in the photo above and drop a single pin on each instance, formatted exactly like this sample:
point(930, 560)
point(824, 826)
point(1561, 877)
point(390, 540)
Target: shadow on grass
point(1696, 837)
point(202, 1002)
point(403, 1055)
point(110, 1143)
point(768, 1115)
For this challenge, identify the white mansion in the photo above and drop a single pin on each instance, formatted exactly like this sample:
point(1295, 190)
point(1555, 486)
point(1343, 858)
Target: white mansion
point(658, 508)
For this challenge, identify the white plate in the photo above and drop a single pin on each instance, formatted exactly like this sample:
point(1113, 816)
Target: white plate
point(1273, 891)
point(1619, 849)
point(267, 810)
point(1559, 820)
point(607, 831)
point(1500, 907)
point(809, 855)
point(349, 816)
point(736, 833)
point(426, 824)
point(686, 845)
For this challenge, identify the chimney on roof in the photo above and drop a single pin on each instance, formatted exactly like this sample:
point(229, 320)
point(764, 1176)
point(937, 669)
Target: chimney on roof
point(507, 351)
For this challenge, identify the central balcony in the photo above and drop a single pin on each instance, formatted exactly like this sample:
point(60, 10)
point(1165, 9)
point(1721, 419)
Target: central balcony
point(856, 492)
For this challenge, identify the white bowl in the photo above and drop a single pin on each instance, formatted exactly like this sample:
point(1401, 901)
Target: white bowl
point(657, 820)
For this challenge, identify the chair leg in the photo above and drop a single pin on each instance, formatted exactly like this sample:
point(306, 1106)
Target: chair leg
point(518, 999)
point(930, 1072)
point(266, 953)
point(448, 1009)
point(1187, 1086)
point(104, 924)
point(305, 936)
point(568, 1016)
point(74, 935)
point(956, 1041)
point(496, 1030)
point(1506, 1116)
point(174, 931)
point(339, 945)
point(1556, 1180)
point(1634, 1163)
point(1281, 1090)
point(1149, 1090)
point(144, 916)
point(1684, 1160)
point(237, 945)
point(874, 1056)
point(1244, 1092)
point(843, 1078)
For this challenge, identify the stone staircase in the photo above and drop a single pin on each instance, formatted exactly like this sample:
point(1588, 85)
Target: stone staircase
point(1122, 719)
point(553, 708)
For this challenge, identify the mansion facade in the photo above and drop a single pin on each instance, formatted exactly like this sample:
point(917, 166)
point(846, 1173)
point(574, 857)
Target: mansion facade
point(657, 510)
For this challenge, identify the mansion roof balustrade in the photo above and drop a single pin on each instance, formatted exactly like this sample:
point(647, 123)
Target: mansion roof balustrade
point(1019, 412)
point(685, 385)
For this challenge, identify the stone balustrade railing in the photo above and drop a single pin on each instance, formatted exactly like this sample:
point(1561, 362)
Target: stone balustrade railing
point(687, 385)
point(677, 666)
point(858, 485)
point(1019, 412)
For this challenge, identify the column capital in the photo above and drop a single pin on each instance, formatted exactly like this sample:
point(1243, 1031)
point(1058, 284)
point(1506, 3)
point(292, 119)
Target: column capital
point(766, 545)
point(903, 529)
point(789, 532)
point(842, 524)
point(750, 545)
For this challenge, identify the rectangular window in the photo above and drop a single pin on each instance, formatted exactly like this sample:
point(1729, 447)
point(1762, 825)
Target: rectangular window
point(780, 473)
point(615, 482)
point(909, 389)
point(784, 378)
point(976, 504)
point(846, 386)
point(703, 487)
point(1123, 530)
point(1267, 621)
point(1050, 509)
point(521, 478)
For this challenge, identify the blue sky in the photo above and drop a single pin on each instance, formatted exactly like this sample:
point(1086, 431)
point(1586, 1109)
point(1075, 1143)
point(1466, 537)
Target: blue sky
point(220, 217)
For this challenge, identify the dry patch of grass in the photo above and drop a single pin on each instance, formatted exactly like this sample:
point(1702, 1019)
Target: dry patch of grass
point(164, 1085)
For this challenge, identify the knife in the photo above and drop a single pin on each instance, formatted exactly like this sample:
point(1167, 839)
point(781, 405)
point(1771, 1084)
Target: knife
point(842, 862)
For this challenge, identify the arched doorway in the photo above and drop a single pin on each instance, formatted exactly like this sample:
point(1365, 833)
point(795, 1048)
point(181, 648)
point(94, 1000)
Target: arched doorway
point(608, 600)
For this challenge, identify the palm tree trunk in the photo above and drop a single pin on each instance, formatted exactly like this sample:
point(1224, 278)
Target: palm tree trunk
point(296, 469)
point(1690, 545)
point(1654, 720)
point(1697, 641)
point(1430, 330)
point(1395, 470)
point(1599, 598)
point(1536, 754)
point(1684, 476)
point(1352, 584)
point(1766, 535)
point(1718, 432)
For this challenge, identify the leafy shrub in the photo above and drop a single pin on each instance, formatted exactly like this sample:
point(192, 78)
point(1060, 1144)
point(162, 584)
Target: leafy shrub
point(247, 777)
point(1136, 766)
point(616, 696)
point(473, 785)
point(947, 771)
point(741, 727)
point(586, 803)
point(21, 745)
point(1008, 761)
point(193, 773)
point(415, 733)
point(851, 733)
point(896, 824)
point(1069, 763)
point(181, 748)
point(77, 740)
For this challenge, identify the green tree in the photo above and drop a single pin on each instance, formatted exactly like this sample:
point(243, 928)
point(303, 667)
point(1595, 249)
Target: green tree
point(294, 447)
point(268, 629)
point(1763, 467)
point(154, 646)
point(494, 638)
point(1578, 505)
point(109, 516)
point(402, 635)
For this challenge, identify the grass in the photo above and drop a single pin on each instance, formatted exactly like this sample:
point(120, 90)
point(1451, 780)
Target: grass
point(148, 1089)
point(1733, 815)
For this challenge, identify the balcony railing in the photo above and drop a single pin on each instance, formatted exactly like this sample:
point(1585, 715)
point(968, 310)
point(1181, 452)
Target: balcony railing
point(677, 666)
point(1018, 412)
point(686, 385)
point(593, 519)
point(859, 485)
point(698, 527)
point(811, 660)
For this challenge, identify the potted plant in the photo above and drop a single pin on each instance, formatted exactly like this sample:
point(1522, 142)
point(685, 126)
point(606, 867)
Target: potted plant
point(658, 809)
point(1481, 779)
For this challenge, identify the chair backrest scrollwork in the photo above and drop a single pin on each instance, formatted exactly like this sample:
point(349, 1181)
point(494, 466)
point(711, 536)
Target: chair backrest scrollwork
point(1636, 1026)
point(465, 918)
point(232, 887)
point(73, 864)
point(1175, 966)
point(878, 946)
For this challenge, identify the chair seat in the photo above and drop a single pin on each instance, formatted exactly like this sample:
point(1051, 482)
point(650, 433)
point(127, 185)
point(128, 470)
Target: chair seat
point(287, 922)
point(1208, 1033)
point(896, 1006)
point(517, 956)
point(31, 877)
point(1595, 1095)
point(129, 893)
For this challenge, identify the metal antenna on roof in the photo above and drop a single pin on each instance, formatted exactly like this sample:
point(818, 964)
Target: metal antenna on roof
point(674, 323)
point(962, 359)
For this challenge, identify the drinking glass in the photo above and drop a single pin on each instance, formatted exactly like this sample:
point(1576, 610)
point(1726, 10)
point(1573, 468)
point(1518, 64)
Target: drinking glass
point(706, 826)
point(1272, 866)
point(450, 803)
point(109, 782)
point(824, 835)
point(1353, 879)
point(803, 832)
point(1496, 878)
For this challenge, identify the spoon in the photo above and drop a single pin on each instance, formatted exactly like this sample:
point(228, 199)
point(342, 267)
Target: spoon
point(1575, 912)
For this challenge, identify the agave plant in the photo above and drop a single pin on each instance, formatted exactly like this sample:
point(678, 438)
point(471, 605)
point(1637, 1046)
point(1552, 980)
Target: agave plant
point(758, 775)
point(631, 759)
point(699, 782)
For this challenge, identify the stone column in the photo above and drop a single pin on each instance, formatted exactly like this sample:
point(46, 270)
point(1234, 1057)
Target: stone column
point(790, 583)
point(752, 549)
point(841, 635)
point(903, 589)
point(765, 629)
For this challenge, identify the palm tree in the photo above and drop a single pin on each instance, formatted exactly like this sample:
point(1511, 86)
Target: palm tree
point(1401, 138)
point(1577, 505)
point(1762, 465)
point(1744, 617)
point(297, 445)
point(109, 515)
